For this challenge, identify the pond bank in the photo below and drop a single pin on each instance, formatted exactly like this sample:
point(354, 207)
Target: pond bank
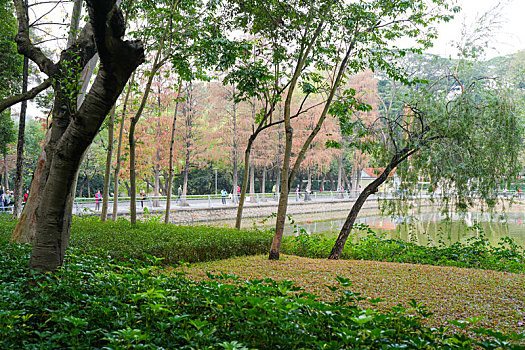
point(301, 211)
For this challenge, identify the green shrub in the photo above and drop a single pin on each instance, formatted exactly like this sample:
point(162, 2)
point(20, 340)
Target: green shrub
point(95, 303)
point(7, 226)
point(173, 243)
point(475, 253)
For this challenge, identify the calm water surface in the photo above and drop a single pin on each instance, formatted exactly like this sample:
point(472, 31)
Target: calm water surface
point(429, 228)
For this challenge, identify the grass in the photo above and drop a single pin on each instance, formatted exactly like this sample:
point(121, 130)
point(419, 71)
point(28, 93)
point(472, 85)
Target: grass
point(451, 293)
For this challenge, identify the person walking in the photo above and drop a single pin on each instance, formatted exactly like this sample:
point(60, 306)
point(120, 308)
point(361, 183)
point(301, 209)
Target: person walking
point(179, 194)
point(223, 196)
point(297, 194)
point(142, 199)
point(98, 196)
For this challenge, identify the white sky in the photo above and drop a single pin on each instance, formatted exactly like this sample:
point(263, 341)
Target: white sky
point(509, 38)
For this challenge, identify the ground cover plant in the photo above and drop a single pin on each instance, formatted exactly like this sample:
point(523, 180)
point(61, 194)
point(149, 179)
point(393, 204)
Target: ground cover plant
point(494, 299)
point(95, 302)
point(477, 252)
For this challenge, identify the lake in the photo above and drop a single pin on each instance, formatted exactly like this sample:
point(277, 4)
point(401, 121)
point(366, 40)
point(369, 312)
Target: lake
point(429, 227)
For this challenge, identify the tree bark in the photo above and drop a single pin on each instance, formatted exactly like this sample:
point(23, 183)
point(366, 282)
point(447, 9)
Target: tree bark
point(73, 131)
point(107, 173)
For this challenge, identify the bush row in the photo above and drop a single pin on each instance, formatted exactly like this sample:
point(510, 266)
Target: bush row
point(172, 243)
point(477, 252)
point(98, 303)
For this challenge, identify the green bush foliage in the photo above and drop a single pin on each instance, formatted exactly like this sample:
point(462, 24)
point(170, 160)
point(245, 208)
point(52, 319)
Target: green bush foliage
point(98, 303)
point(171, 243)
point(477, 252)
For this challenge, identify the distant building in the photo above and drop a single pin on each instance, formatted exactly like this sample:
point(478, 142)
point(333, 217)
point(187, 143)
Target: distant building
point(370, 174)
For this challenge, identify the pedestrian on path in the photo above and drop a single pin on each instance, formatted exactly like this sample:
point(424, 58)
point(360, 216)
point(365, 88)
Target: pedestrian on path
point(223, 196)
point(179, 194)
point(98, 197)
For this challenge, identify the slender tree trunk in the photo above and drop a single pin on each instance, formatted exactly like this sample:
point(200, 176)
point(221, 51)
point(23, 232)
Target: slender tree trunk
point(157, 171)
point(339, 171)
point(339, 245)
point(287, 173)
point(263, 183)
point(6, 173)
point(132, 144)
point(169, 183)
point(252, 183)
point(119, 148)
point(19, 189)
point(184, 202)
point(244, 187)
point(235, 155)
point(107, 173)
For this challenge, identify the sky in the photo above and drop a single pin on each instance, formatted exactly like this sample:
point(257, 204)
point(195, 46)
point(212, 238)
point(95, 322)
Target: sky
point(508, 38)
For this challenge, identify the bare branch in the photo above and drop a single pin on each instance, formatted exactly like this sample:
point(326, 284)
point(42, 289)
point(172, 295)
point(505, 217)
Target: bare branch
point(12, 100)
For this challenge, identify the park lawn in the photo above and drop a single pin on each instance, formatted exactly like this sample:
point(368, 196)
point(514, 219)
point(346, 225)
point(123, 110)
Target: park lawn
point(450, 293)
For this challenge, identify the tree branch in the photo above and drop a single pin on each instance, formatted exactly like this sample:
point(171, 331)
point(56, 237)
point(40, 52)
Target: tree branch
point(24, 44)
point(12, 100)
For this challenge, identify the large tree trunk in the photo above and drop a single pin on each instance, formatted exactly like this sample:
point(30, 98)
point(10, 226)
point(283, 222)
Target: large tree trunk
point(72, 136)
point(19, 190)
point(169, 183)
point(107, 173)
point(25, 229)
